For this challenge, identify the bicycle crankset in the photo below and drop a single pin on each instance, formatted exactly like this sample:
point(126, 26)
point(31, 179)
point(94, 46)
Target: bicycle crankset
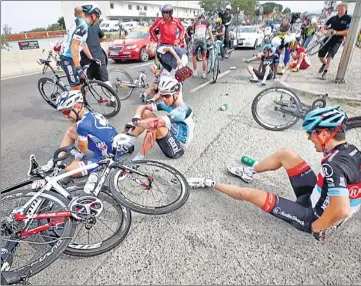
point(86, 207)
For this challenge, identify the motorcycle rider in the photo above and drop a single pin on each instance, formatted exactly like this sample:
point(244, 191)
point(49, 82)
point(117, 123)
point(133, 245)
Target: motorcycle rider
point(226, 20)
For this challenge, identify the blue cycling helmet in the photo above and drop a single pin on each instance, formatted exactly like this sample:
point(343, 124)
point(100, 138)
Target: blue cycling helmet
point(327, 117)
point(91, 8)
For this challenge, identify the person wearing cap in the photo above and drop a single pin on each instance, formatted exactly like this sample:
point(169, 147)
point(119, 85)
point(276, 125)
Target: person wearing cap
point(323, 202)
point(339, 26)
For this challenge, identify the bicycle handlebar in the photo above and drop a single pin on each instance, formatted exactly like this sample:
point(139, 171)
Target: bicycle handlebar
point(65, 149)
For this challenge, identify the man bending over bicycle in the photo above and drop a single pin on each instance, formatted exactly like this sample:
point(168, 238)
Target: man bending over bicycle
point(91, 130)
point(324, 202)
point(339, 25)
point(174, 131)
point(220, 32)
point(76, 42)
point(201, 28)
point(266, 70)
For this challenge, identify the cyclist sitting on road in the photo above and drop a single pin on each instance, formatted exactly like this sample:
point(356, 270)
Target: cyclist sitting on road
point(91, 130)
point(220, 32)
point(201, 28)
point(266, 68)
point(324, 202)
point(76, 42)
point(339, 25)
point(300, 58)
point(174, 131)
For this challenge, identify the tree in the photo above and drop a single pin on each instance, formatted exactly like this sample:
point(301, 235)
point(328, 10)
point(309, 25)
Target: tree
point(248, 7)
point(270, 7)
point(213, 5)
point(6, 32)
point(286, 11)
point(61, 22)
point(54, 27)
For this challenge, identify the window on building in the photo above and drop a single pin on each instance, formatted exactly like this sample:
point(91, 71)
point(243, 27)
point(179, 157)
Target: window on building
point(130, 7)
point(138, 7)
point(145, 8)
point(111, 5)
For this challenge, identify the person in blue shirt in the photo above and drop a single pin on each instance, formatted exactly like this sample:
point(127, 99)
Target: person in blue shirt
point(76, 42)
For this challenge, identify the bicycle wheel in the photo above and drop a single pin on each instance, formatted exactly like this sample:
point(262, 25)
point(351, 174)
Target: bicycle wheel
point(216, 70)
point(49, 89)
point(40, 255)
point(353, 122)
point(137, 185)
point(99, 94)
point(228, 53)
point(317, 44)
point(281, 106)
point(122, 83)
point(103, 233)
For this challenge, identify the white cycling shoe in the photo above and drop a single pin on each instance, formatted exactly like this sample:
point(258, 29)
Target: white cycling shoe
point(195, 183)
point(242, 172)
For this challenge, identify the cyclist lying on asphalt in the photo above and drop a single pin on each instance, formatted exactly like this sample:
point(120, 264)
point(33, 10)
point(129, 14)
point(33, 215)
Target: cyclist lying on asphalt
point(266, 67)
point(324, 202)
point(174, 131)
point(91, 130)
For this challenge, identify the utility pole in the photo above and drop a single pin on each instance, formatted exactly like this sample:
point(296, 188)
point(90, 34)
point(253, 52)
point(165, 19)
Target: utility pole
point(350, 44)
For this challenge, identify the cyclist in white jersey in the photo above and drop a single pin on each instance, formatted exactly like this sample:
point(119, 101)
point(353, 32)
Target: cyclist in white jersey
point(76, 42)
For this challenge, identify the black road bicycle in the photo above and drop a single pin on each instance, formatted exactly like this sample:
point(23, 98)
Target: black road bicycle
point(98, 96)
point(278, 108)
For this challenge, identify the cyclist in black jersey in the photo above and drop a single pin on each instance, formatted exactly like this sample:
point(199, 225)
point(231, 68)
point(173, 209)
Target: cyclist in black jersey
point(323, 202)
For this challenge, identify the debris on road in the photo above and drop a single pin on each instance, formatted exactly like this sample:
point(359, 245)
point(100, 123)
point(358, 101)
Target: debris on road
point(224, 107)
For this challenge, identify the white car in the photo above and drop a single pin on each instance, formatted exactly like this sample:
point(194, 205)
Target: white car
point(248, 36)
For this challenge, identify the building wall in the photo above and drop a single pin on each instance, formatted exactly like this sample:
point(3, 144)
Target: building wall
point(139, 9)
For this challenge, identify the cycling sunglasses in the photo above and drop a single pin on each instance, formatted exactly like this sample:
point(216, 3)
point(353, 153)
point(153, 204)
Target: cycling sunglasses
point(165, 12)
point(166, 95)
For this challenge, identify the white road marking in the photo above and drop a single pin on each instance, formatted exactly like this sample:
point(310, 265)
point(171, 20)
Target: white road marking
point(142, 65)
point(20, 75)
point(210, 81)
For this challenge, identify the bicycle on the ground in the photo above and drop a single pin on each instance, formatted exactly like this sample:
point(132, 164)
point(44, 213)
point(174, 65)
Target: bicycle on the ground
point(95, 93)
point(124, 84)
point(53, 206)
point(285, 108)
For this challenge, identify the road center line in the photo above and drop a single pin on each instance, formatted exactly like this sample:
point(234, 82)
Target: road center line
point(210, 81)
point(142, 65)
point(20, 75)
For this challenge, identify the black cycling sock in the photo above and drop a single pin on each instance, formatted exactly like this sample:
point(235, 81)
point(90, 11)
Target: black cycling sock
point(325, 71)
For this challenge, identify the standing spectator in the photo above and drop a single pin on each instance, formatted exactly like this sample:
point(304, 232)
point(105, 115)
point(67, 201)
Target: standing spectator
point(309, 31)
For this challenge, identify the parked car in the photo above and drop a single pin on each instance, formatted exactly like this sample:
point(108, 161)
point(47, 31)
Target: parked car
point(109, 26)
point(248, 36)
point(133, 47)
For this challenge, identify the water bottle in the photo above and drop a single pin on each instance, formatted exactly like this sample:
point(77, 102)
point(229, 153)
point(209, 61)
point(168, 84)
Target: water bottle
point(248, 161)
point(224, 107)
point(90, 184)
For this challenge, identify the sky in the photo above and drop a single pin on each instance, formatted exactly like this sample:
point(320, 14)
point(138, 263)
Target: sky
point(26, 15)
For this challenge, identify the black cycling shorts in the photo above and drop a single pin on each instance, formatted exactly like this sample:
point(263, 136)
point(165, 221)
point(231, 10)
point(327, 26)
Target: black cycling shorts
point(330, 49)
point(170, 146)
point(68, 67)
point(299, 213)
point(260, 75)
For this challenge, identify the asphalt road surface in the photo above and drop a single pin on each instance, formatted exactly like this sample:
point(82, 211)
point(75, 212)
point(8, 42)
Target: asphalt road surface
point(212, 239)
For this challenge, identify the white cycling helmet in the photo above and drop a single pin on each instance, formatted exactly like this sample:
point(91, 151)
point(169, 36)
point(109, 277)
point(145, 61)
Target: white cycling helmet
point(68, 99)
point(276, 42)
point(168, 85)
point(314, 20)
point(91, 8)
point(289, 38)
point(228, 7)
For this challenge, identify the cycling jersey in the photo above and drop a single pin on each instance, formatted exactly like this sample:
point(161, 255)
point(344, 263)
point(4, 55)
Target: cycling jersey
point(220, 29)
point(78, 31)
point(339, 24)
point(95, 128)
point(201, 30)
point(340, 176)
point(269, 61)
point(167, 30)
point(179, 120)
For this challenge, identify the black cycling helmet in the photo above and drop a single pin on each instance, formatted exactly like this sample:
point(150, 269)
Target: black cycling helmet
point(167, 8)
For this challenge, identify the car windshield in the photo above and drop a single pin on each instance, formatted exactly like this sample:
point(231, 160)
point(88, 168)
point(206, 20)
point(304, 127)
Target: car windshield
point(137, 35)
point(246, 29)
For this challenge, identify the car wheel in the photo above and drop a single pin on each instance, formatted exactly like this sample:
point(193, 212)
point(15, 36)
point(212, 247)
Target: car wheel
point(255, 44)
point(144, 56)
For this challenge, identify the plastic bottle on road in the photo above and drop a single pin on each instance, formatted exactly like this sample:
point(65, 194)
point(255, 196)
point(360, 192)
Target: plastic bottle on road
point(248, 161)
point(224, 107)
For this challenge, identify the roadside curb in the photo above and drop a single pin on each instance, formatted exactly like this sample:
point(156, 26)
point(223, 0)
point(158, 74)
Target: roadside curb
point(304, 92)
